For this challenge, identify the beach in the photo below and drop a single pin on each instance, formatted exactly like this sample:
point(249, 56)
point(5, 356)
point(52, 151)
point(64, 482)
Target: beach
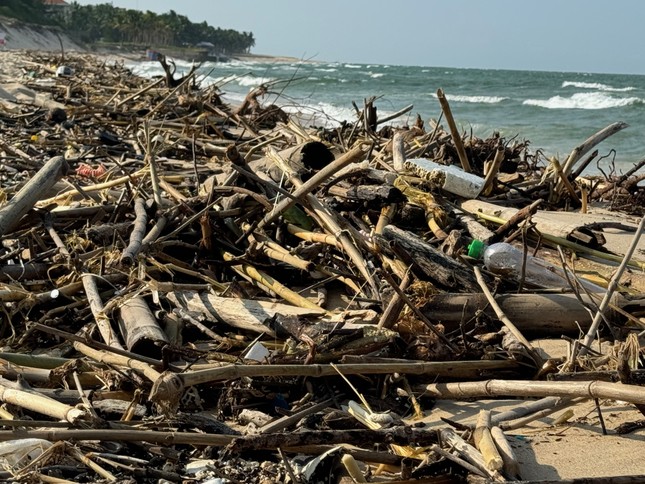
point(207, 281)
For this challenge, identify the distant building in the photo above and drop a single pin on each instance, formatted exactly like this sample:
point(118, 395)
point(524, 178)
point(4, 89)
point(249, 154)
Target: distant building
point(57, 7)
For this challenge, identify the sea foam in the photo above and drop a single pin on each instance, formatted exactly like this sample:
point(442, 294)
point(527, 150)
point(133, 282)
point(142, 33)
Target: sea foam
point(583, 100)
point(473, 99)
point(596, 85)
point(253, 80)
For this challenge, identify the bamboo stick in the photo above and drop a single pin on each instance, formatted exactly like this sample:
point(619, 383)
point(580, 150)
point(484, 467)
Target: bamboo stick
point(484, 442)
point(311, 184)
point(96, 305)
point(613, 284)
point(507, 322)
point(139, 328)
point(324, 213)
point(456, 137)
point(95, 188)
point(129, 254)
point(396, 304)
point(582, 149)
point(140, 92)
point(314, 236)
point(103, 356)
point(169, 384)
point(524, 388)
point(31, 193)
point(492, 171)
point(267, 281)
point(35, 402)
point(511, 465)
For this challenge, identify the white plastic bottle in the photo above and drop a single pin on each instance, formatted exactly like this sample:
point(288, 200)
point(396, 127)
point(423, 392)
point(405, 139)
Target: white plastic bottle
point(506, 260)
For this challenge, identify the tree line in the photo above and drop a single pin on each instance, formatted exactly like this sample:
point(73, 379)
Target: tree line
point(26, 10)
point(106, 23)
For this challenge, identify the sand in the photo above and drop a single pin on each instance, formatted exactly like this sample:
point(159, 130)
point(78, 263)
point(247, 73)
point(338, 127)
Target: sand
point(575, 449)
point(34, 37)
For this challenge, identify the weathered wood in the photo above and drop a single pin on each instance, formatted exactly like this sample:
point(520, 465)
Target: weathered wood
point(31, 193)
point(250, 315)
point(395, 435)
point(466, 451)
point(524, 389)
point(96, 305)
point(533, 314)
point(31, 400)
point(369, 193)
point(140, 329)
point(511, 464)
point(138, 233)
point(484, 442)
point(456, 136)
point(433, 264)
point(398, 151)
point(546, 222)
point(582, 149)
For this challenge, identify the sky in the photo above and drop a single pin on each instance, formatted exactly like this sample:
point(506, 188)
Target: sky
point(599, 36)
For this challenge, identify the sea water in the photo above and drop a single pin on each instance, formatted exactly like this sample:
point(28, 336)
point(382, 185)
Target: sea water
point(554, 111)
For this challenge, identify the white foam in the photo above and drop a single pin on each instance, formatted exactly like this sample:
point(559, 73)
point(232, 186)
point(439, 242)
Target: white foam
point(596, 85)
point(376, 75)
point(583, 100)
point(329, 69)
point(353, 66)
point(247, 81)
point(473, 99)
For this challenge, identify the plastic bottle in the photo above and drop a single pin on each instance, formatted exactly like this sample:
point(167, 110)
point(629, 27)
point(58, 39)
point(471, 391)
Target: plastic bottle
point(506, 260)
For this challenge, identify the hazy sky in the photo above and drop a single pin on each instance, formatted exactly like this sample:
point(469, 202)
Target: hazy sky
point(559, 35)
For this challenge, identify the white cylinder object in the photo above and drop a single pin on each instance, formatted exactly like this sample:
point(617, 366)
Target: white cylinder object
point(450, 178)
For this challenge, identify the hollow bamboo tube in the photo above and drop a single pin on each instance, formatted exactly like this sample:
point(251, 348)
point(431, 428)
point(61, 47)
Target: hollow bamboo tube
point(31, 192)
point(40, 404)
point(484, 442)
point(526, 388)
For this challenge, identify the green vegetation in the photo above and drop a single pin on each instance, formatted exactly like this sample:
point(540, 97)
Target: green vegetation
point(93, 23)
point(113, 25)
point(32, 11)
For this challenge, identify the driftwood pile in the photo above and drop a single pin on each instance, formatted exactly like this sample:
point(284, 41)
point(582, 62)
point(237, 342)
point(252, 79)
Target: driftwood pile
point(197, 292)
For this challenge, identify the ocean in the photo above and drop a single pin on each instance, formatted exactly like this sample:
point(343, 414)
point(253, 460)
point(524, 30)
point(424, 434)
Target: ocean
point(555, 111)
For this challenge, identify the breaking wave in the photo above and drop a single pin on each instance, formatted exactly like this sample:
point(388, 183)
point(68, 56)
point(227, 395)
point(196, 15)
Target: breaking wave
point(473, 99)
point(583, 100)
point(596, 85)
point(253, 80)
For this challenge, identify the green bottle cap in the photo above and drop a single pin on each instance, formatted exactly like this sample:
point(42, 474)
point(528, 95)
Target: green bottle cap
point(476, 249)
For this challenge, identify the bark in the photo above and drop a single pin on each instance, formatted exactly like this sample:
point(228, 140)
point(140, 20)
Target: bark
point(434, 265)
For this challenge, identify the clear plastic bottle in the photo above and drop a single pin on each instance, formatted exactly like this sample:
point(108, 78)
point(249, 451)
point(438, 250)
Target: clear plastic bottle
point(506, 260)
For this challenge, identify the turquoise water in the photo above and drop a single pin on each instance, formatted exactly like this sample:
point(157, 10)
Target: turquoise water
point(555, 111)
